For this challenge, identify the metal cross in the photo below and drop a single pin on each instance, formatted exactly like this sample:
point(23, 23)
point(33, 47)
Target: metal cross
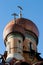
point(20, 11)
point(14, 14)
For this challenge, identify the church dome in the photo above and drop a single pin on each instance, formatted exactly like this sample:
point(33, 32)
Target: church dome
point(19, 26)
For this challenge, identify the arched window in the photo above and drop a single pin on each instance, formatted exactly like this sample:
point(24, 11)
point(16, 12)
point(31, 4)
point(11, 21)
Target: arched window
point(30, 44)
point(19, 46)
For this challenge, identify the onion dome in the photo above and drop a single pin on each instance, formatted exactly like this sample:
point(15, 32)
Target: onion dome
point(21, 24)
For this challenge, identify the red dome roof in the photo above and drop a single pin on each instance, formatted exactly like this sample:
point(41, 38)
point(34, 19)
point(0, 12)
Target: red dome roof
point(21, 23)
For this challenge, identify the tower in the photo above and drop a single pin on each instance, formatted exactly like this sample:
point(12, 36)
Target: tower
point(21, 39)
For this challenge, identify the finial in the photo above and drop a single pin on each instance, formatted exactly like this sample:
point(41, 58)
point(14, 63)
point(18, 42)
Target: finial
point(20, 11)
point(14, 14)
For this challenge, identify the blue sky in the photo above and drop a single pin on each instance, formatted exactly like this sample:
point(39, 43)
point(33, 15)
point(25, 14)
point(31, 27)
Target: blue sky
point(32, 9)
